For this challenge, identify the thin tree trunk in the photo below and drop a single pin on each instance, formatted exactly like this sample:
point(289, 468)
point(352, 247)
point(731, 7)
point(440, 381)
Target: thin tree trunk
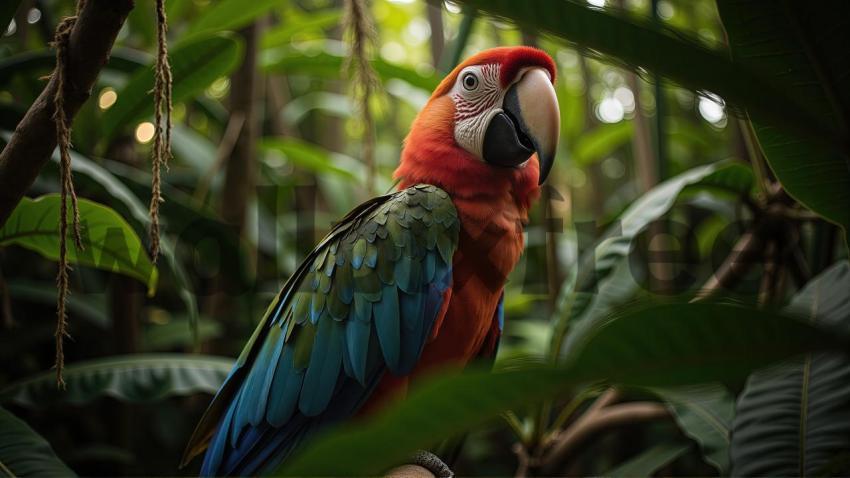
point(437, 39)
point(240, 167)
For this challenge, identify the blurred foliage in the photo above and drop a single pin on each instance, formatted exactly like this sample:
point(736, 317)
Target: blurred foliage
point(654, 185)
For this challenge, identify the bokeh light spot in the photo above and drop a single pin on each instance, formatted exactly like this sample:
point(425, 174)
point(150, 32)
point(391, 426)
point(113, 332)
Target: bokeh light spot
point(610, 110)
point(145, 132)
point(107, 98)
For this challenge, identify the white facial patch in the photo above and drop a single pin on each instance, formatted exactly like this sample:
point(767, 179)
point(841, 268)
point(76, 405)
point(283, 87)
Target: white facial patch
point(478, 97)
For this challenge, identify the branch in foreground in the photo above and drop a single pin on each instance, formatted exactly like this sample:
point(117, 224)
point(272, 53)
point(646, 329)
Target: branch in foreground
point(599, 420)
point(34, 138)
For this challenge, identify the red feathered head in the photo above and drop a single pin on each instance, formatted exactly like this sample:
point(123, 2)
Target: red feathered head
point(492, 122)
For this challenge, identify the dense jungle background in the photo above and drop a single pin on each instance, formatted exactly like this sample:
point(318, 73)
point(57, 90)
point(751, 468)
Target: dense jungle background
point(689, 247)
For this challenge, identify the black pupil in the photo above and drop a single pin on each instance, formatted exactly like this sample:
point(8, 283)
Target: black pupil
point(470, 81)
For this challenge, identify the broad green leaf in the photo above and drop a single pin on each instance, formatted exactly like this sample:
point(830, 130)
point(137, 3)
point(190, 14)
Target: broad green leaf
point(600, 142)
point(132, 378)
point(176, 333)
point(194, 65)
point(604, 277)
point(641, 43)
point(305, 155)
point(282, 34)
point(109, 242)
point(732, 177)
point(802, 45)
point(329, 65)
point(229, 15)
point(791, 420)
point(704, 413)
point(103, 179)
point(91, 307)
point(32, 63)
point(648, 462)
point(23, 452)
point(654, 345)
point(193, 149)
point(331, 103)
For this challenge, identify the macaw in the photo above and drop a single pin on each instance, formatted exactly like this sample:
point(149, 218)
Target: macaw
point(406, 282)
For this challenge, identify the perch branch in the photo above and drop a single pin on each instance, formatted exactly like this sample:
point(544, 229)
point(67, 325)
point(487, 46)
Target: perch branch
point(34, 139)
point(596, 420)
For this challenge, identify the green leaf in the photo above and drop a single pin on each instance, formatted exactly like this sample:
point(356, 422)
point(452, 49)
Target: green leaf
point(704, 413)
point(732, 177)
point(23, 452)
point(103, 179)
point(228, 15)
point(109, 242)
point(176, 333)
point(648, 462)
point(132, 378)
point(604, 277)
point(282, 34)
point(658, 345)
point(195, 64)
point(600, 142)
point(328, 64)
point(330, 103)
point(305, 155)
point(30, 64)
point(7, 13)
point(791, 420)
point(800, 45)
point(640, 42)
point(88, 306)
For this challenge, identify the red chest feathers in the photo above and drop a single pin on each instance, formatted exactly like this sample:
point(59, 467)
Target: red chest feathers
point(491, 243)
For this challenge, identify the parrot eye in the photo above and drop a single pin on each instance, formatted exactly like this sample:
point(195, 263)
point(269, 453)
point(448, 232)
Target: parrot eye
point(470, 81)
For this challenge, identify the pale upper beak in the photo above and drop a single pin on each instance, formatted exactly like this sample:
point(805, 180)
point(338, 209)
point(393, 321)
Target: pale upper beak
point(530, 123)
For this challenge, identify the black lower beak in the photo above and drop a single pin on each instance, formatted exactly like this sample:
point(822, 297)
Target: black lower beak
point(505, 142)
point(509, 142)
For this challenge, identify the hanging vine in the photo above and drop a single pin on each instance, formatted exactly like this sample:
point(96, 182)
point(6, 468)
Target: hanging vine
point(162, 135)
point(63, 140)
point(161, 154)
point(360, 32)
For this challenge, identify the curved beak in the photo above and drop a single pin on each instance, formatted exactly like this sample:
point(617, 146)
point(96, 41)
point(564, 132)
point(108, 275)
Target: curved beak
point(529, 123)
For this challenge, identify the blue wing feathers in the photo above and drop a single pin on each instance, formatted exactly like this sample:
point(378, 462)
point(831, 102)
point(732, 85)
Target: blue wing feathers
point(323, 371)
point(372, 290)
point(386, 313)
point(286, 387)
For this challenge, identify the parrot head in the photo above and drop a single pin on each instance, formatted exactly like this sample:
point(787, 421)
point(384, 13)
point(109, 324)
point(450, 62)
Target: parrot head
point(494, 120)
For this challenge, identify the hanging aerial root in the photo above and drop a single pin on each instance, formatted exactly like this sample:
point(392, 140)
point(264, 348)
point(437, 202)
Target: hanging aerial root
point(162, 113)
point(63, 139)
point(361, 32)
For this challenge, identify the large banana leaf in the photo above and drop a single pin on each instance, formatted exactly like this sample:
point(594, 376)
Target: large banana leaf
point(133, 378)
point(704, 413)
point(109, 242)
point(195, 64)
point(803, 46)
point(604, 277)
point(655, 345)
point(792, 420)
point(23, 452)
point(639, 42)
